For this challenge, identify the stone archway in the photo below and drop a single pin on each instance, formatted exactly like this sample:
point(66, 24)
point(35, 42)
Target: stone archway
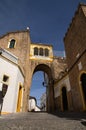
point(50, 90)
point(30, 58)
point(83, 86)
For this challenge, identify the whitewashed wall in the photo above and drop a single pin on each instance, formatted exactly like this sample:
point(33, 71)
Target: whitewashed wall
point(64, 82)
point(37, 109)
point(15, 76)
point(19, 80)
point(32, 105)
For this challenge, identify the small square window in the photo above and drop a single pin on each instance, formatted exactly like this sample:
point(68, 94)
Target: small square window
point(5, 78)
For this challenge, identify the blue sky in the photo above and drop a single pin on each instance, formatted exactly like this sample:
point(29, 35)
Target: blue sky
point(37, 89)
point(48, 21)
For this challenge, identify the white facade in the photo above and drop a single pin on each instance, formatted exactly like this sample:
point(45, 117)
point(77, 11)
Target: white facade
point(32, 105)
point(9, 68)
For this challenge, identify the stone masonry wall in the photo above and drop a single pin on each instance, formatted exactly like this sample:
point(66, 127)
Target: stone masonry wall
point(75, 46)
point(21, 50)
point(58, 65)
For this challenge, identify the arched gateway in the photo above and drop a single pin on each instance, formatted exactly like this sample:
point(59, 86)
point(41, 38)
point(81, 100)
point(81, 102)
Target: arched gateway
point(49, 86)
point(32, 58)
point(41, 62)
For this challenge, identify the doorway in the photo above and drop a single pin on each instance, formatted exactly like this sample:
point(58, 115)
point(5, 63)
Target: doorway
point(83, 85)
point(19, 99)
point(64, 99)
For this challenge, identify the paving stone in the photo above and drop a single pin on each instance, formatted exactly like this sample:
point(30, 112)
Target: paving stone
point(43, 121)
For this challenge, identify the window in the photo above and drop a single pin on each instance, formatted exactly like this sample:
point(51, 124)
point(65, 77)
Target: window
point(46, 52)
point(5, 78)
point(5, 84)
point(12, 43)
point(41, 51)
point(35, 51)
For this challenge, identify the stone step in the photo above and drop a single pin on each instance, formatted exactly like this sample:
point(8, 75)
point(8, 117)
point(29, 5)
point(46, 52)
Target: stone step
point(43, 121)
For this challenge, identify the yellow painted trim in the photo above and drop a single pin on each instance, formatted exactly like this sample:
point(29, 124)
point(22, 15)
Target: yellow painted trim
point(32, 46)
point(31, 55)
point(51, 57)
point(81, 91)
point(19, 100)
point(41, 45)
point(4, 113)
point(50, 60)
point(9, 43)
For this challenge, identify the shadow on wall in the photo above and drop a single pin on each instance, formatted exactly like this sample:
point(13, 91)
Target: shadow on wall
point(81, 116)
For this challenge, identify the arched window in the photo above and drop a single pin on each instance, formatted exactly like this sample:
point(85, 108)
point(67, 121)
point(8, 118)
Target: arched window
point(41, 51)
point(12, 43)
point(35, 51)
point(46, 52)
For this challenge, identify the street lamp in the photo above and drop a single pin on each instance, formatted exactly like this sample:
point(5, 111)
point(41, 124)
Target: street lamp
point(45, 84)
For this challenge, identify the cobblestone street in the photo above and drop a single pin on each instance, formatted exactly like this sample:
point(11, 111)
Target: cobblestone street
point(43, 121)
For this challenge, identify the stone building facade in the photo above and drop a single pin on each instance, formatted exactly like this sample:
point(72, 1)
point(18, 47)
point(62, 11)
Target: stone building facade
point(75, 46)
point(21, 49)
point(66, 87)
point(62, 94)
point(33, 58)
